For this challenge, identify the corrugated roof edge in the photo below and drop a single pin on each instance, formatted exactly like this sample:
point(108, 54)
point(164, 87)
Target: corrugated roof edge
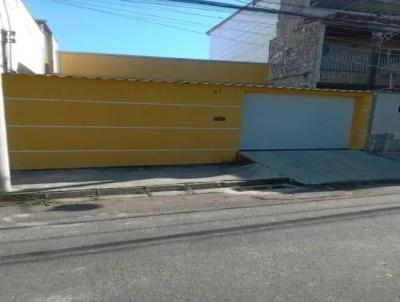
point(230, 84)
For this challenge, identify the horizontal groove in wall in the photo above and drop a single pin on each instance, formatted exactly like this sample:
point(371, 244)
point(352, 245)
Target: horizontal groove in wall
point(122, 150)
point(26, 113)
point(125, 103)
point(119, 139)
point(119, 127)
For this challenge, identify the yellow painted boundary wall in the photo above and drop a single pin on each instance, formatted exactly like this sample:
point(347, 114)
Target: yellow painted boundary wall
point(64, 122)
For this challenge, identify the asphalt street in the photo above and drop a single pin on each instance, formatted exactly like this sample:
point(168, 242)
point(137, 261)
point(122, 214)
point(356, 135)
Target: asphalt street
point(221, 246)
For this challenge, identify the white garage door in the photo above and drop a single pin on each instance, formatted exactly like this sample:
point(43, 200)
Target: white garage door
point(278, 121)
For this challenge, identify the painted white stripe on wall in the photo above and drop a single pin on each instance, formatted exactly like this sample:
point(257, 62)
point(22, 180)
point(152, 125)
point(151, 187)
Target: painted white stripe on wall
point(125, 102)
point(120, 150)
point(121, 127)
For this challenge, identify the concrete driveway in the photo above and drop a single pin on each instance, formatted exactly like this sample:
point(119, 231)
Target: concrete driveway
point(313, 167)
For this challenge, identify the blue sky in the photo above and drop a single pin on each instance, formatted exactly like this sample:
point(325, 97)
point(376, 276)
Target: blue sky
point(78, 29)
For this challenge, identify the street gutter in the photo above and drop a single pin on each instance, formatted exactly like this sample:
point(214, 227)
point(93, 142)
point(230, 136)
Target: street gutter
point(148, 190)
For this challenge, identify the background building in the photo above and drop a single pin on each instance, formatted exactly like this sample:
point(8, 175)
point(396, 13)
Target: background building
point(244, 36)
point(27, 45)
point(337, 44)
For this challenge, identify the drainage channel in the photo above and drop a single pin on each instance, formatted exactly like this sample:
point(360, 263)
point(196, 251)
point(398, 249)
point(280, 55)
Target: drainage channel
point(144, 190)
point(265, 187)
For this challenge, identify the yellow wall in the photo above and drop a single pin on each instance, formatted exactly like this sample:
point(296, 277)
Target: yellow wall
point(86, 64)
point(56, 122)
point(361, 118)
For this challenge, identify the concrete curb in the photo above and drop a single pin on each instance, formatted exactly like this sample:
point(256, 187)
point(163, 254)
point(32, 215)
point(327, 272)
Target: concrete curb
point(188, 187)
point(357, 183)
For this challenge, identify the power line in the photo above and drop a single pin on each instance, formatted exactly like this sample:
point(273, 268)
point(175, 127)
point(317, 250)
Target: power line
point(179, 5)
point(232, 6)
point(162, 21)
point(145, 20)
point(370, 25)
point(286, 12)
point(108, 12)
point(148, 16)
point(137, 5)
point(343, 23)
point(163, 9)
point(151, 20)
point(152, 17)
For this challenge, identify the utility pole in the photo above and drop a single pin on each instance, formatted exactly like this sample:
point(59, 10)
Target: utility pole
point(4, 49)
point(7, 38)
point(5, 174)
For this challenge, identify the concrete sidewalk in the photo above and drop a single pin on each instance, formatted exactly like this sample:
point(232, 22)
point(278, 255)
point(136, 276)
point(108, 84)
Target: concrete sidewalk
point(326, 167)
point(109, 178)
point(314, 167)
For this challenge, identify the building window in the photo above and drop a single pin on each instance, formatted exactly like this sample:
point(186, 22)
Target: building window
point(344, 58)
point(389, 57)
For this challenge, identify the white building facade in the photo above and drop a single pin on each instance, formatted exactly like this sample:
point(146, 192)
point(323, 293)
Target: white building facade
point(244, 36)
point(27, 46)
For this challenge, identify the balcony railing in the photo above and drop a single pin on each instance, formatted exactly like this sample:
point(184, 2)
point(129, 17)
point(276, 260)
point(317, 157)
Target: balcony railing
point(342, 63)
point(346, 64)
